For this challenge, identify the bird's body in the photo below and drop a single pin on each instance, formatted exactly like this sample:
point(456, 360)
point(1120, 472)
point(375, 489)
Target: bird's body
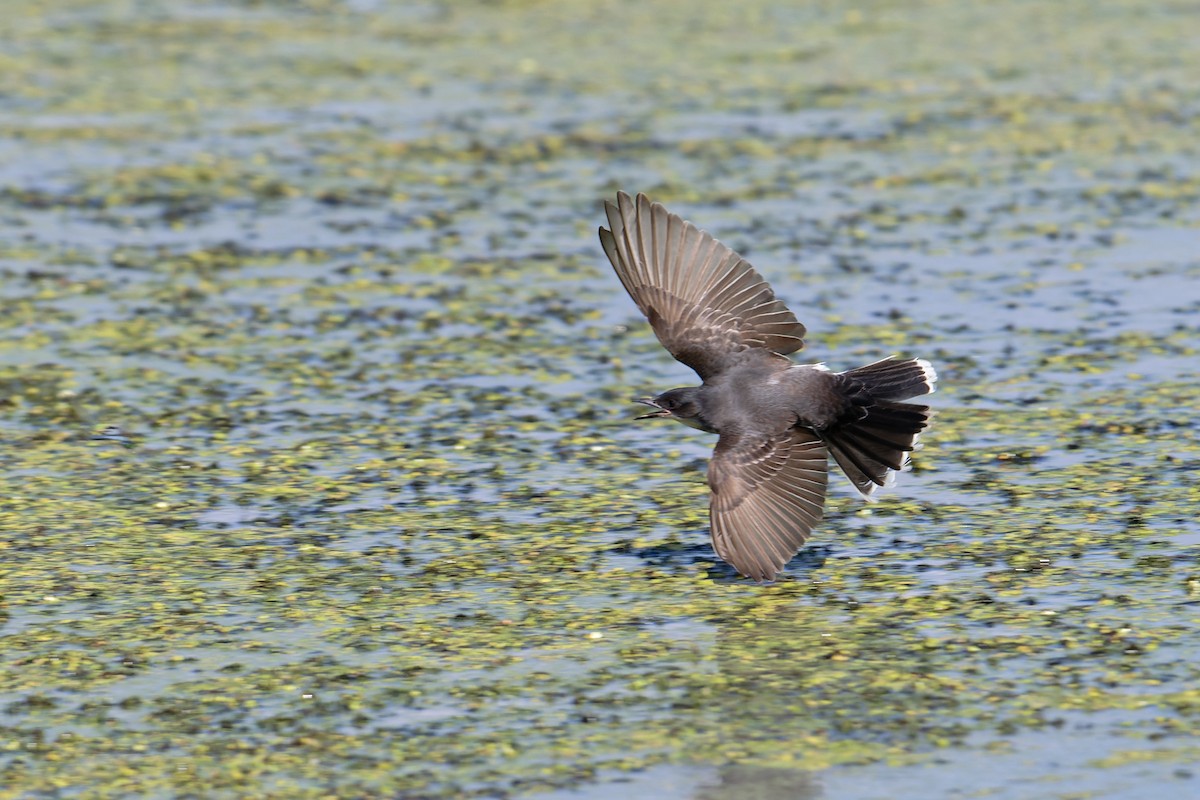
point(776, 396)
point(778, 421)
point(764, 396)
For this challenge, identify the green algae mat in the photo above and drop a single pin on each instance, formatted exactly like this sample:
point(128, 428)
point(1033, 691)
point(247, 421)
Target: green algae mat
point(371, 517)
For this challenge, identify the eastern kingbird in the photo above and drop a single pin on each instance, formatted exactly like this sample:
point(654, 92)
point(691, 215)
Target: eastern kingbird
point(778, 421)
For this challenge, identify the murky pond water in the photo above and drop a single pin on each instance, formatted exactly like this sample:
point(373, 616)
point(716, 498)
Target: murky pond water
point(379, 523)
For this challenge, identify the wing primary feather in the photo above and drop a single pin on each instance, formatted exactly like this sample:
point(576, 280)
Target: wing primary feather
point(659, 222)
point(632, 257)
point(677, 250)
point(610, 249)
point(641, 218)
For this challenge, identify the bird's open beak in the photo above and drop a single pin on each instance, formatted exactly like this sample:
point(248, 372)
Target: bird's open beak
point(649, 401)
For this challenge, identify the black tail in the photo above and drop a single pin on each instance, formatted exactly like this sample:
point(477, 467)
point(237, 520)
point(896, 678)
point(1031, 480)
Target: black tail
point(872, 440)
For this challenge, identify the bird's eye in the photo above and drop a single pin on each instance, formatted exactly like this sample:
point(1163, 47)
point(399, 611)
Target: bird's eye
point(668, 404)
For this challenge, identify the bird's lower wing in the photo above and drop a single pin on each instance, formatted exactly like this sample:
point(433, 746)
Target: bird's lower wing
point(704, 301)
point(767, 494)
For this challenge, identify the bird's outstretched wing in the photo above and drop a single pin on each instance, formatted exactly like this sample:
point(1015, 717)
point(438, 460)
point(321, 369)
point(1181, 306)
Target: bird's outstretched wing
point(768, 491)
point(704, 301)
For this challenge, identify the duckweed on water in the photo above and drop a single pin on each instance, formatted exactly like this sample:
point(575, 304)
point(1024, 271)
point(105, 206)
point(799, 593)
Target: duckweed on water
point(376, 522)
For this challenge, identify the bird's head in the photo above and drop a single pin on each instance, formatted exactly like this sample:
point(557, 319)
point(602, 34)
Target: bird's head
point(682, 405)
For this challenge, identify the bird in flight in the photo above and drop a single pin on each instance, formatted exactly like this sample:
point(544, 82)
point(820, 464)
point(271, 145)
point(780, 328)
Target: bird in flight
point(777, 421)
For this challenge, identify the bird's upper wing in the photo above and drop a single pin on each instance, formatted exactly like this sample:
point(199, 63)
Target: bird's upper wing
point(704, 301)
point(768, 491)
